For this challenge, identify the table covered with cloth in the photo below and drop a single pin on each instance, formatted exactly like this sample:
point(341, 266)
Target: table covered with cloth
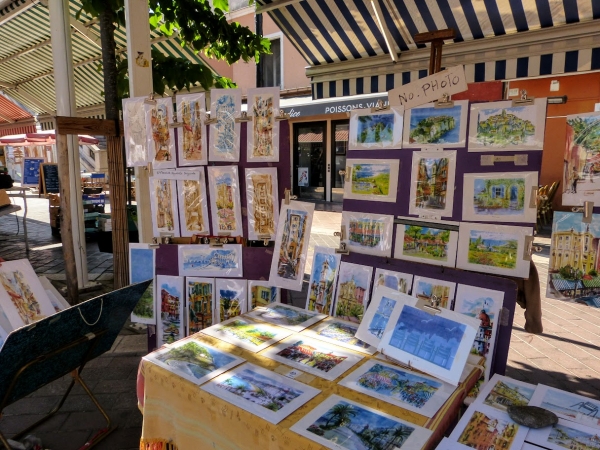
point(178, 415)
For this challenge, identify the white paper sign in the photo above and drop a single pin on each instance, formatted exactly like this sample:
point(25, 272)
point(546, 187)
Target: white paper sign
point(428, 89)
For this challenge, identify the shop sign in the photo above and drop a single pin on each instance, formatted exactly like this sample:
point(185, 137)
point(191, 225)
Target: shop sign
point(344, 105)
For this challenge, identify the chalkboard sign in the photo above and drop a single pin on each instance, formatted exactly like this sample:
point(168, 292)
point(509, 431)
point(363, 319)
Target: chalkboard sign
point(31, 171)
point(49, 179)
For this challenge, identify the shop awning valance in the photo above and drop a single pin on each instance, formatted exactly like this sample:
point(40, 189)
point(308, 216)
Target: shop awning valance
point(14, 119)
point(42, 138)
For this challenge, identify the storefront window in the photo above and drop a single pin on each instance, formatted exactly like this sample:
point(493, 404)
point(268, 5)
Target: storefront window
point(309, 161)
point(340, 146)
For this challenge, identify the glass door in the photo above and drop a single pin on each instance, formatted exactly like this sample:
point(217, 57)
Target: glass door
point(339, 148)
point(309, 160)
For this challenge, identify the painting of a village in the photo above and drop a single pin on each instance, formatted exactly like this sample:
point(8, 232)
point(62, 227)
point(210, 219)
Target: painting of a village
point(192, 206)
point(262, 125)
point(366, 232)
point(208, 258)
point(170, 312)
point(353, 291)
point(426, 242)
point(224, 131)
point(503, 196)
point(230, 303)
point(293, 241)
point(310, 356)
point(488, 432)
point(352, 427)
point(324, 270)
point(431, 183)
point(225, 184)
point(435, 126)
point(191, 114)
point(194, 359)
point(200, 304)
point(434, 294)
point(506, 127)
point(375, 129)
point(494, 249)
point(342, 333)
point(159, 121)
point(164, 202)
point(571, 438)
point(371, 179)
point(262, 203)
point(21, 296)
point(505, 393)
point(248, 332)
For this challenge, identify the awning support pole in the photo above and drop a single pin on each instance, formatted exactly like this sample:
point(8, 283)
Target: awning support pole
point(436, 38)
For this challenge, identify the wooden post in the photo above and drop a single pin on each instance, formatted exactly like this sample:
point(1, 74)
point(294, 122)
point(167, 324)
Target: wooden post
point(437, 39)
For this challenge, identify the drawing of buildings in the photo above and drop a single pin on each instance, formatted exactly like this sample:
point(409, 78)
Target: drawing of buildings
point(21, 296)
point(264, 220)
point(485, 433)
point(222, 259)
point(352, 293)
point(263, 125)
point(574, 248)
point(504, 128)
point(320, 289)
point(506, 395)
point(366, 232)
point(160, 133)
point(432, 128)
point(169, 305)
point(432, 183)
point(261, 295)
point(192, 130)
point(292, 244)
point(506, 193)
point(200, 298)
point(164, 210)
point(224, 196)
point(194, 220)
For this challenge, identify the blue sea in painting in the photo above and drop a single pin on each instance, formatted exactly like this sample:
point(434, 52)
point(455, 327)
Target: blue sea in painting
point(195, 359)
point(377, 128)
point(142, 264)
point(209, 259)
point(371, 170)
point(382, 316)
point(427, 336)
point(452, 136)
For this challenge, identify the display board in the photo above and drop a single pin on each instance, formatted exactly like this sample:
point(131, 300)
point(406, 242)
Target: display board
point(49, 181)
point(31, 171)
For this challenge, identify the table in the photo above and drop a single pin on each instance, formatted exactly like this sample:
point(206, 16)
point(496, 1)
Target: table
point(177, 412)
point(17, 191)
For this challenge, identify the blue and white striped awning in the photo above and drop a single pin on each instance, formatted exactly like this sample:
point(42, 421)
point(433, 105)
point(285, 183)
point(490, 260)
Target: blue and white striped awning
point(495, 39)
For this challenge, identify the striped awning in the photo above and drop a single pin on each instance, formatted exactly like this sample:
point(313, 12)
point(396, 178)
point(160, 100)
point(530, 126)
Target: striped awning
point(348, 53)
point(14, 119)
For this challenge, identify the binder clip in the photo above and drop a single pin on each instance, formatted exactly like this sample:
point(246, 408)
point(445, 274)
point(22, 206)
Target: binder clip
point(523, 100)
point(265, 238)
point(434, 305)
point(533, 200)
point(150, 99)
point(587, 209)
point(167, 238)
point(209, 120)
point(343, 248)
point(288, 197)
point(444, 102)
point(244, 117)
point(282, 115)
point(380, 106)
point(155, 243)
point(528, 248)
point(347, 174)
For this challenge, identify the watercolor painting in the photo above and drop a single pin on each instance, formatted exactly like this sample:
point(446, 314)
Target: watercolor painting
point(225, 202)
point(286, 316)
point(191, 112)
point(483, 431)
point(501, 126)
point(573, 407)
point(369, 180)
point(163, 204)
point(204, 260)
point(262, 392)
point(342, 333)
point(261, 294)
point(170, 326)
point(291, 245)
point(432, 292)
point(493, 249)
point(427, 243)
point(565, 435)
point(353, 291)
point(161, 139)
point(141, 268)
point(247, 333)
point(432, 183)
point(401, 282)
point(501, 392)
point(200, 300)
point(323, 278)
point(231, 298)
point(376, 130)
point(263, 130)
point(370, 234)
point(194, 360)
point(263, 202)
point(342, 423)
point(429, 126)
point(134, 127)
point(193, 207)
point(225, 133)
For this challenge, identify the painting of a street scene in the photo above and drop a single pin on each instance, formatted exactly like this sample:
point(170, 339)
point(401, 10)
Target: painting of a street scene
point(430, 337)
point(170, 309)
point(293, 242)
point(371, 179)
point(261, 294)
point(500, 196)
point(509, 127)
point(432, 183)
point(489, 432)
point(164, 214)
point(262, 125)
point(343, 334)
point(576, 408)
point(200, 298)
point(506, 393)
point(353, 291)
point(429, 125)
point(322, 280)
point(489, 248)
point(307, 355)
point(375, 129)
point(224, 136)
point(193, 207)
point(571, 438)
point(432, 293)
point(21, 296)
point(263, 206)
point(425, 242)
point(231, 297)
point(582, 160)
point(192, 130)
point(225, 185)
point(161, 137)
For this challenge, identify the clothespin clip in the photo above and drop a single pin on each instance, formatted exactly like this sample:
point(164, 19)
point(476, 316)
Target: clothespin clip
point(282, 115)
point(209, 120)
point(155, 243)
point(434, 305)
point(523, 100)
point(166, 237)
point(150, 99)
point(265, 238)
point(176, 124)
point(244, 117)
point(380, 106)
point(288, 196)
point(587, 209)
point(343, 248)
point(528, 248)
point(347, 174)
point(533, 200)
point(444, 102)
point(215, 242)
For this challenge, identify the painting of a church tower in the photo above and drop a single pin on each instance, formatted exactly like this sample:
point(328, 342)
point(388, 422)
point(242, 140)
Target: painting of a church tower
point(323, 280)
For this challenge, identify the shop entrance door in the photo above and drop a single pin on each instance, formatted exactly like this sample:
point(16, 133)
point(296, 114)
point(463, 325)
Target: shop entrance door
point(310, 160)
point(338, 156)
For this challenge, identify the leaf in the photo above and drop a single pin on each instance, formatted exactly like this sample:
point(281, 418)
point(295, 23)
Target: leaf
point(223, 5)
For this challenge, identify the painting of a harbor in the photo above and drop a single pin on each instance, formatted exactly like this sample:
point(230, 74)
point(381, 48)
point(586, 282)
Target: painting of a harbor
point(210, 261)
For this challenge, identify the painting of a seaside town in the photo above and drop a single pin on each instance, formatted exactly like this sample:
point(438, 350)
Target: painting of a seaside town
point(287, 316)
point(371, 179)
point(502, 392)
point(370, 234)
point(573, 407)
point(141, 268)
point(426, 243)
point(225, 199)
point(192, 137)
point(170, 298)
point(353, 291)
point(199, 259)
point(194, 360)
point(231, 298)
point(495, 249)
point(342, 333)
point(488, 431)
point(341, 423)
point(323, 279)
point(429, 126)
point(263, 131)
point(224, 134)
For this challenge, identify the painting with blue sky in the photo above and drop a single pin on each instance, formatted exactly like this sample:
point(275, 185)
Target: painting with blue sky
point(429, 125)
point(375, 129)
point(323, 276)
point(170, 299)
point(141, 268)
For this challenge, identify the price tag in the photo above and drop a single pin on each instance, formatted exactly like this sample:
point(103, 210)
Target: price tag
point(293, 374)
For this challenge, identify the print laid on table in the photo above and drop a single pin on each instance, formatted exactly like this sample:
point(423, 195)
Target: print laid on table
point(494, 249)
point(353, 291)
point(340, 332)
point(141, 268)
point(200, 303)
point(565, 435)
point(291, 245)
point(372, 179)
point(430, 291)
point(323, 280)
point(163, 204)
point(191, 112)
point(134, 129)
point(193, 206)
point(204, 260)
point(339, 423)
point(370, 234)
point(428, 126)
point(231, 298)
point(501, 392)
point(263, 130)
point(225, 203)
point(429, 243)
point(261, 293)
point(377, 130)
point(161, 138)
point(568, 406)
point(401, 282)
point(262, 392)
point(499, 197)
point(286, 316)
point(432, 183)
point(263, 203)
point(170, 298)
point(501, 126)
point(224, 139)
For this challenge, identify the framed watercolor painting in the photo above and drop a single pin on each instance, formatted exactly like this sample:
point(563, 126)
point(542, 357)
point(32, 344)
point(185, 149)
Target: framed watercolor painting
point(312, 356)
point(401, 387)
point(564, 435)
point(286, 316)
point(323, 280)
point(501, 392)
point(160, 138)
point(260, 293)
point(231, 298)
point(225, 203)
point(194, 360)
point(499, 197)
point(193, 206)
point(353, 291)
point(141, 268)
point(432, 183)
point(437, 344)
point(568, 406)
point(428, 126)
point(191, 137)
point(325, 426)
point(262, 197)
point(340, 332)
point(429, 243)
point(379, 130)
point(263, 130)
point(169, 299)
point(225, 106)
point(22, 296)
point(430, 291)
point(493, 249)
point(134, 129)
point(485, 305)
point(247, 333)
point(199, 303)
point(378, 314)
point(163, 205)
point(372, 179)
point(499, 125)
point(370, 234)
point(291, 245)
point(264, 393)
point(204, 260)
point(401, 282)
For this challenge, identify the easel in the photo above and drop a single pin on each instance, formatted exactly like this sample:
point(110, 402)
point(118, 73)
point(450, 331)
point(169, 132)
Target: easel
point(36, 355)
point(436, 38)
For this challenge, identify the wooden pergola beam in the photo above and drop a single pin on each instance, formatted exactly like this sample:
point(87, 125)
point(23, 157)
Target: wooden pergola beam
point(81, 125)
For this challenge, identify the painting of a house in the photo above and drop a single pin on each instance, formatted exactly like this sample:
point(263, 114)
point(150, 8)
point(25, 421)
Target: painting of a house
point(504, 196)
